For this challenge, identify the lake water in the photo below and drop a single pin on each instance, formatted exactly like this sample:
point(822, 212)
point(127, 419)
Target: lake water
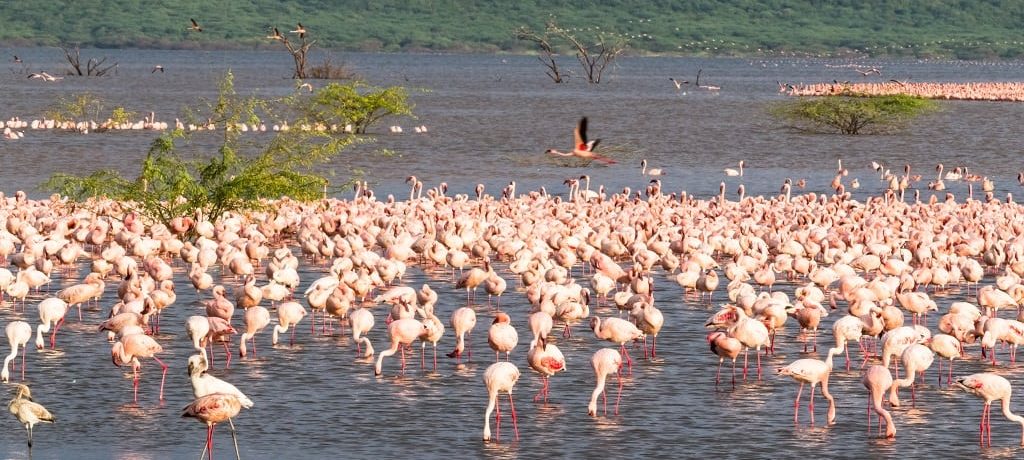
point(490, 118)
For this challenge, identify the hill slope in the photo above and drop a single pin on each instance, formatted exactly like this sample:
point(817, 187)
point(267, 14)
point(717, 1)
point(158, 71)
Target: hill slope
point(976, 29)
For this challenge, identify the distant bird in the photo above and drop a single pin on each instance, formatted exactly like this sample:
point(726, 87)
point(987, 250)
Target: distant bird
point(582, 148)
point(300, 30)
point(276, 35)
point(679, 83)
point(195, 26)
point(28, 412)
point(44, 76)
point(156, 68)
point(307, 87)
point(17, 60)
point(707, 87)
point(901, 83)
point(735, 172)
point(873, 70)
point(644, 171)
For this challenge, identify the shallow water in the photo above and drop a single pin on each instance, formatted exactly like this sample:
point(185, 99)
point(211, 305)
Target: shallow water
point(315, 399)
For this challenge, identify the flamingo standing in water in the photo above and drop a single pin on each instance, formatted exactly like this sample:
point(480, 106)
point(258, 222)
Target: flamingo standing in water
point(582, 148)
point(288, 315)
point(725, 347)
point(877, 379)
point(991, 387)
point(18, 334)
point(813, 371)
point(132, 347)
point(51, 311)
point(256, 318)
point(500, 376)
point(361, 321)
point(502, 336)
point(606, 361)
point(463, 321)
point(212, 409)
point(548, 360)
point(28, 412)
point(403, 332)
point(618, 331)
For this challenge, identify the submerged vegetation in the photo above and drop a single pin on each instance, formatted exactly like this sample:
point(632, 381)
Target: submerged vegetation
point(852, 114)
point(940, 28)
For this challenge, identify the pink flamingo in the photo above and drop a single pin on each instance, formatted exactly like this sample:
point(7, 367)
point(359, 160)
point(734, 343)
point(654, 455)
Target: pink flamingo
point(403, 332)
point(606, 361)
point(220, 306)
point(500, 376)
point(256, 319)
point(750, 332)
point(463, 321)
point(582, 148)
point(725, 347)
point(92, 287)
point(288, 315)
point(51, 311)
point(877, 379)
point(916, 359)
point(213, 409)
point(361, 320)
point(547, 360)
point(220, 331)
point(130, 349)
point(649, 320)
point(502, 336)
point(617, 330)
point(813, 371)
point(991, 387)
point(948, 347)
point(18, 334)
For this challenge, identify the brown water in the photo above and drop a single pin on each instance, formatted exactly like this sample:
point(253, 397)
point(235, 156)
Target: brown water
point(490, 119)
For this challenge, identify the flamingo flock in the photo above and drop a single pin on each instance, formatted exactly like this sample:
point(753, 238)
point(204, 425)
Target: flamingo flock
point(855, 268)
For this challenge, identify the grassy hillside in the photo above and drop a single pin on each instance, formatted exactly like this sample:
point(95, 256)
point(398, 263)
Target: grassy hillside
point(950, 28)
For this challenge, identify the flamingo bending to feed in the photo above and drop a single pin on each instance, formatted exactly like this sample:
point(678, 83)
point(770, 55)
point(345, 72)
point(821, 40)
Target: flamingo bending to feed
point(877, 379)
point(606, 361)
point(991, 387)
point(500, 376)
point(18, 334)
point(129, 349)
point(813, 371)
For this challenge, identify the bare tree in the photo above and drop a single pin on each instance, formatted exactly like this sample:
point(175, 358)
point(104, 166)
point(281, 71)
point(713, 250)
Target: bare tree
point(595, 58)
point(93, 67)
point(547, 56)
point(298, 51)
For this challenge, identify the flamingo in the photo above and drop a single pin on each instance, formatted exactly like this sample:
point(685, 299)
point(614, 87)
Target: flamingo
point(361, 320)
point(546, 359)
point(618, 331)
point(948, 347)
point(256, 318)
point(212, 409)
point(463, 321)
point(502, 337)
point(605, 362)
point(288, 314)
point(403, 332)
point(916, 358)
point(540, 325)
point(813, 371)
point(18, 334)
point(649, 172)
point(649, 320)
point(735, 172)
point(500, 376)
point(724, 347)
point(991, 387)
point(204, 384)
point(877, 379)
point(51, 311)
point(750, 332)
point(28, 412)
point(582, 148)
point(132, 347)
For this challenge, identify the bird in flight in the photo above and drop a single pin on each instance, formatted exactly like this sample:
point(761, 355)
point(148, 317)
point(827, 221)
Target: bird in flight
point(195, 26)
point(307, 87)
point(300, 30)
point(276, 35)
point(873, 70)
point(17, 60)
point(44, 76)
point(679, 83)
point(156, 68)
point(582, 148)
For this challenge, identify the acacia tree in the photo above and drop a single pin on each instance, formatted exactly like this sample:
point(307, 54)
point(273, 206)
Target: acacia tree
point(594, 59)
point(240, 176)
point(357, 104)
point(851, 114)
point(297, 50)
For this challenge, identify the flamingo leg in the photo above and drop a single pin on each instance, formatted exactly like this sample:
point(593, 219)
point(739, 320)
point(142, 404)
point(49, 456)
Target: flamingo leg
point(22, 364)
point(53, 336)
point(234, 439)
point(796, 404)
point(618, 397)
point(163, 378)
point(227, 353)
point(515, 424)
point(135, 384)
point(719, 373)
point(253, 346)
point(654, 346)
point(810, 405)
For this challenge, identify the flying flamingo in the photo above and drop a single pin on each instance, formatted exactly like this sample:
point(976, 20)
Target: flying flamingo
point(500, 376)
point(502, 336)
point(18, 334)
point(288, 315)
point(51, 311)
point(548, 360)
point(606, 361)
point(877, 379)
point(28, 412)
point(582, 148)
point(212, 409)
point(256, 318)
point(725, 347)
point(361, 320)
point(991, 387)
point(463, 321)
point(813, 371)
point(130, 349)
point(403, 332)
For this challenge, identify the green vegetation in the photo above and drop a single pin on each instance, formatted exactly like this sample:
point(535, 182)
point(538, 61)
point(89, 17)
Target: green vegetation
point(241, 175)
point(939, 28)
point(852, 114)
point(358, 105)
point(85, 107)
